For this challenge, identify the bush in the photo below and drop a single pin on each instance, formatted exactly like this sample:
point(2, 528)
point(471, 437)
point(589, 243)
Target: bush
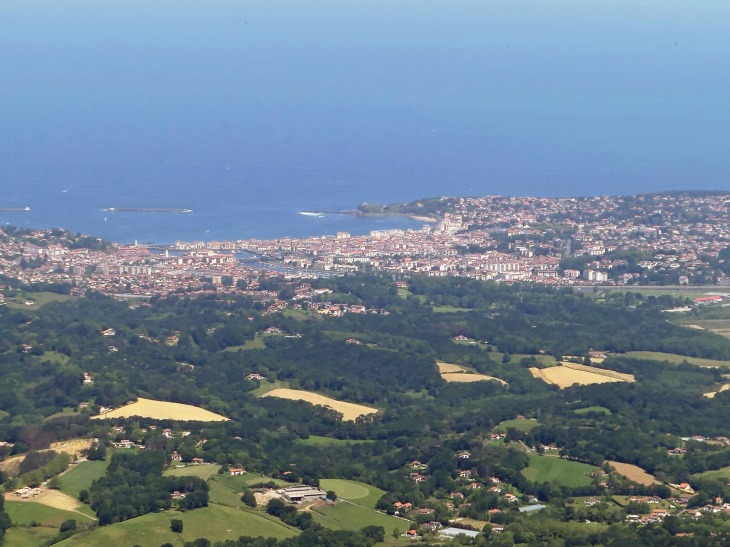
point(331, 495)
point(248, 498)
point(67, 525)
point(176, 525)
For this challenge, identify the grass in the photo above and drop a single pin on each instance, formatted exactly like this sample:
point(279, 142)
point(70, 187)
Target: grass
point(602, 409)
point(256, 343)
point(449, 309)
point(81, 476)
point(221, 494)
point(676, 359)
point(565, 472)
point(299, 315)
point(403, 292)
point(40, 298)
point(215, 522)
point(723, 473)
point(266, 386)
point(315, 440)
point(358, 492)
point(22, 536)
point(26, 512)
point(346, 516)
point(202, 471)
point(521, 424)
point(67, 411)
point(55, 357)
point(238, 482)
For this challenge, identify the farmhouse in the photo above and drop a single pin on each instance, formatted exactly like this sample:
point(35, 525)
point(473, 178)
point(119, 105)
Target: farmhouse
point(254, 376)
point(109, 332)
point(236, 471)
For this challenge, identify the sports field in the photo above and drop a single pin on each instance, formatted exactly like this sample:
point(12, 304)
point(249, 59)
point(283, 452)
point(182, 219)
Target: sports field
point(357, 492)
point(634, 473)
point(81, 476)
point(567, 374)
point(673, 358)
point(215, 522)
point(346, 516)
point(349, 411)
point(162, 410)
point(566, 472)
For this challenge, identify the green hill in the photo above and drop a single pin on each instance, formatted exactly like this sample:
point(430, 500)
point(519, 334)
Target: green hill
point(566, 472)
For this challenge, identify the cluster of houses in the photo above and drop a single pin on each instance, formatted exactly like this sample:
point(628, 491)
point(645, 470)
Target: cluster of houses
point(27, 492)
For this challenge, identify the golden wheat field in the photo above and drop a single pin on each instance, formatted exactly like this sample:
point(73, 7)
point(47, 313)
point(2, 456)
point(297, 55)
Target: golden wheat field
point(564, 376)
point(162, 410)
point(349, 411)
point(634, 473)
point(711, 394)
point(458, 373)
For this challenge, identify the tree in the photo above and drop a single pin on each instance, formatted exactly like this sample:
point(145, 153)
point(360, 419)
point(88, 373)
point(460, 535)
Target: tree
point(84, 496)
point(396, 533)
point(67, 525)
point(54, 483)
point(331, 495)
point(248, 498)
point(176, 525)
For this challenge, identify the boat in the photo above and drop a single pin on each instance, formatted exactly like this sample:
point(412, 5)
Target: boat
point(145, 210)
point(14, 209)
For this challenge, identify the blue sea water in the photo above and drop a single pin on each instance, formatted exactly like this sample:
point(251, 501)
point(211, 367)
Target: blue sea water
point(249, 112)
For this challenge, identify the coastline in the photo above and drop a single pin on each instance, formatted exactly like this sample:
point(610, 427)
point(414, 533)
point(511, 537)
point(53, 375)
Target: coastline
point(357, 213)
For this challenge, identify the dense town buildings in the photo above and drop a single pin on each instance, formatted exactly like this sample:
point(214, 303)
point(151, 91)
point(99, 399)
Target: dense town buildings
point(670, 238)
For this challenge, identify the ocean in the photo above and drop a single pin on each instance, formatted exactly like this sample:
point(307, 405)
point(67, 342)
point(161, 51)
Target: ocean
point(251, 112)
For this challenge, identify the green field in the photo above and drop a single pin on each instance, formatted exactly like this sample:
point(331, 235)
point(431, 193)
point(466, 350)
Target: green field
point(55, 357)
point(267, 386)
point(449, 309)
point(80, 477)
point(26, 512)
point(202, 471)
point(28, 536)
point(672, 358)
point(357, 492)
point(217, 523)
point(256, 343)
point(316, 440)
point(602, 409)
point(40, 298)
point(299, 315)
point(238, 482)
point(346, 516)
point(566, 472)
point(723, 473)
point(521, 424)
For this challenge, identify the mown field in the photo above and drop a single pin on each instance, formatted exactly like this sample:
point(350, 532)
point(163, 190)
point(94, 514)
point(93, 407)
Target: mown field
point(357, 492)
point(634, 473)
point(215, 522)
point(202, 471)
point(567, 374)
point(346, 516)
point(163, 410)
point(521, 424)
point(566, 472)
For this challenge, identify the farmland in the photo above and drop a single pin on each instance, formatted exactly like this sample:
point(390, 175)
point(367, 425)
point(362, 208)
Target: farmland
point(458, 373)
point(634, 473)
point(29, 536)
point(81, 476)
point(162, 410)
point(565, 472)
point(27, 512)
point(567, 374)
point(202, 471)
point(216, 522)
point(349, 411)
point(317, 440)
point(520, 424)
point(357, 492)
point(346, 516)
point(39, 299)
point(676, 359)
point(256, 343)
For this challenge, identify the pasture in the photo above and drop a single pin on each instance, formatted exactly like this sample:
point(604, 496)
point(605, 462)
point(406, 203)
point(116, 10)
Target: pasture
point(357, 492)
point(317, 440)
point(81, 476)
point(27, 512)
point(634, 473)
point(676, 359)
point(346, 516)
point(215, 522)
point(256, 343)
point(162, 410)
point(29, 536)
point(349, 411)
point(567, 374)
point(202, 471)
point(601, 409)
point(723, 473)
point(521, 424)
point(39, 299)
point(566, 472)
